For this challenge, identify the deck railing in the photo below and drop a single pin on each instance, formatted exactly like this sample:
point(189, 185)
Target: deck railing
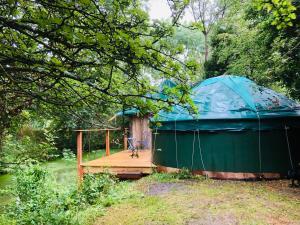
point(80, 170)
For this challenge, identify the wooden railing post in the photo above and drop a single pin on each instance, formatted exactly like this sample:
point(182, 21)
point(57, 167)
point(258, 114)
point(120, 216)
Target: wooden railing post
point(79, 155)
point(107, 144)
point(125, 139)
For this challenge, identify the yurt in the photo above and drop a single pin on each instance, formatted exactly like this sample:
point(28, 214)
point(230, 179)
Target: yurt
point(240, 131)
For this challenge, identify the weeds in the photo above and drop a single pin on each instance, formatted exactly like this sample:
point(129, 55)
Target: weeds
point(38, 200)
point(183, 174)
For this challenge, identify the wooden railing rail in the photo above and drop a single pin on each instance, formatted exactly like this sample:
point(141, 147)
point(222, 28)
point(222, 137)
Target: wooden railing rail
point(80, 170)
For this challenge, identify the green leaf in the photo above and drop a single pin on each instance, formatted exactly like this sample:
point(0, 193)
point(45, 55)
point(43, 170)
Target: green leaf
point(56, 61)
point(292, 16)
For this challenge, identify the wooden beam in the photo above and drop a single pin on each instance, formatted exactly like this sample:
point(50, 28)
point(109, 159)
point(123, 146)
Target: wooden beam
point(125, 138)
point(86, 130)
point(119, 170)
point(79, 156)
point(107, 144)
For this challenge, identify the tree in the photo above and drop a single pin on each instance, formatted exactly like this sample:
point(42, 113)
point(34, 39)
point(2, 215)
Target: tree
point(192, 43)
point(11, 104)
point(69, 53)
point(282, 11)
point(247, 42)
point(206, 13)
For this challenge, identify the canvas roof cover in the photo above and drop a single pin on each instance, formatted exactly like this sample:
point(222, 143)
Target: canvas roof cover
point(233, 97)
point(160, 95)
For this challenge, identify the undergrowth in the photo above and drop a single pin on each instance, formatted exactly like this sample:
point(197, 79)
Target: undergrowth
point(38, 199)
point(183, 174)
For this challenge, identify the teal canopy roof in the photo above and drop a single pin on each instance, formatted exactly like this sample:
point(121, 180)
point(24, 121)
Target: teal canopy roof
point(233, 97)
point(159, 95)
point(128, 112)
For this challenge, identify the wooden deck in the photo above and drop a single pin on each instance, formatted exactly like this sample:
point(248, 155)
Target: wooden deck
point(122, 164)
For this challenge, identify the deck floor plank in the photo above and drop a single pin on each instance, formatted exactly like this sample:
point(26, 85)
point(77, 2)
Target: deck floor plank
point(121, 162)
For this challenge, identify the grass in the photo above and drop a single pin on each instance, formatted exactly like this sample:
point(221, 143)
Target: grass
point(64, 170)
point(149, 210)
point(169, 200)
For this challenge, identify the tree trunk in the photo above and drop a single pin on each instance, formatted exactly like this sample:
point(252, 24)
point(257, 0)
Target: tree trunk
point(205, 47)
point(1, 139)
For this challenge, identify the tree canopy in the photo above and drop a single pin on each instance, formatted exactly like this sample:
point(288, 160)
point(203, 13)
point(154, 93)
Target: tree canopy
point(260, 40)
point(69, 53)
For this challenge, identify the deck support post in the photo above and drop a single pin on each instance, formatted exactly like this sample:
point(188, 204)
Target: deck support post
point(107, 144)
point(125, 139)
point(79, 156)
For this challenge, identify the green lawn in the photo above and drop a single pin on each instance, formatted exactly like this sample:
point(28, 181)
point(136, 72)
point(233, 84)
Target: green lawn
point(65, 172)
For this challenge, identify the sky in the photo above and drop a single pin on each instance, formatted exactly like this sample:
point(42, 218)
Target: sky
point(159, 9)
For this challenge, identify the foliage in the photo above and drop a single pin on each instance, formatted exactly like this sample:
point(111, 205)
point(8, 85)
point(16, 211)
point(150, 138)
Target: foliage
point(18, 150)
point(206, 14)
point(94, 184)
point(5, 220)
point(76, 63)
point(85, 53)
point(68, 154)
point(184, 173)
point(193, 44)
point(247, 43)
point(38, 199)
point(40, 136)
point(283, 11)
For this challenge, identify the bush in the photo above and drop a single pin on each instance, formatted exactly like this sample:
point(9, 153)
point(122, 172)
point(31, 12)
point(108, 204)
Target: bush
point(182, 174)
point(5, 220)
point(68, 155)
point(92, 185)
point(19, 150)
point(38, 200)
point(185, 173)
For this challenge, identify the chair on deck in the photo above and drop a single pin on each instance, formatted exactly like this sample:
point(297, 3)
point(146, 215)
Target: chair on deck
point(145, 142)
point(132, 147)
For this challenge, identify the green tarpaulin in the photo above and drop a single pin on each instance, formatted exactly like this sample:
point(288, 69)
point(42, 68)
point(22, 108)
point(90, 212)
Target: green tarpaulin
point(233, 97)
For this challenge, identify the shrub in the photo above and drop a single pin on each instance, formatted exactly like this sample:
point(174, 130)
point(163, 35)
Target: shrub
point(5, 220)
point(68, 155)
point(92, 185)
point(182, 174)
point(36, 199)
point(185, 173)
point(19, 150)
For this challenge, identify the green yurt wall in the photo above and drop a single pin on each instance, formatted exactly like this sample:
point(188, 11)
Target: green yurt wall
point(240, 128)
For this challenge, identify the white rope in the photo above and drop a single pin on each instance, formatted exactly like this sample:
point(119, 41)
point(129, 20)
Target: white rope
point(176, 145)
point(200, 150)
point(193, 150)
point(259, 141)
point(288, 145)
